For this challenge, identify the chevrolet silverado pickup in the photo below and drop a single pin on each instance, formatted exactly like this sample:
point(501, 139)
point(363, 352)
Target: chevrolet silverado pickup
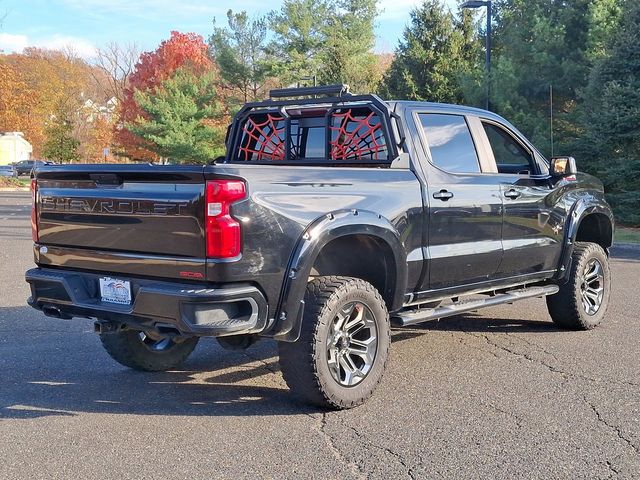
point(332, 217)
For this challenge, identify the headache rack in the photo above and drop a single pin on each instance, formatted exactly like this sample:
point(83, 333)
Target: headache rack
point(268, 124)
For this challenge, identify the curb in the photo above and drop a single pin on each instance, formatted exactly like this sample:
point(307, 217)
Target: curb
point(635, 246)
point(627, 251)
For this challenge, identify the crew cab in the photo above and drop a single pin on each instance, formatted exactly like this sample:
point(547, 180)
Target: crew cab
point(332, 217)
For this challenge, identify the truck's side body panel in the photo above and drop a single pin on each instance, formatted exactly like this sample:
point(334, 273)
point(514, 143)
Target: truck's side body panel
point(479, 234)
point(532, 226)
point(283, 201)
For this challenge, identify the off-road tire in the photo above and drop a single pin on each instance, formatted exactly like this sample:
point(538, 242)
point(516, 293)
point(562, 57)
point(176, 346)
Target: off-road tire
point(127, 348)
point(304, 363)
point(566, 307)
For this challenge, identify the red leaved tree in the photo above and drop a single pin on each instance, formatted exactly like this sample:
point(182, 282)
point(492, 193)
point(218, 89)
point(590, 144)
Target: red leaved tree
point(181, 50)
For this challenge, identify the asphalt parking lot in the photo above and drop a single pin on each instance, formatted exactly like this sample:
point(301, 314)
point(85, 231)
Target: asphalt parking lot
point(500, 393)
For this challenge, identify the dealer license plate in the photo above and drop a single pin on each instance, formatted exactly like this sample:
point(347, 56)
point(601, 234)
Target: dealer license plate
point(115, 291)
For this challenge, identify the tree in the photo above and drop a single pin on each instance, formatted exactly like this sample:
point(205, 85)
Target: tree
point(330, 40)
point(49, 84)
point(542, 44)
point(299, 35)
point(180, 50)
point(347, 53)
point(117, 63)
point(16, 102)
point(610, 118)
point(97, 136)
point(60, 144)
point(178, 118)
point(239, 52)
point(433, 55)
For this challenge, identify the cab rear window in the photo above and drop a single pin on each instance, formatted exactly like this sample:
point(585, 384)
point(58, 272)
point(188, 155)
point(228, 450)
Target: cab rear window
point(341, 135)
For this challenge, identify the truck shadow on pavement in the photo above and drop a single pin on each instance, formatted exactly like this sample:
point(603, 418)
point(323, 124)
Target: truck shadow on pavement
point(476, 323)
point(54, 367)
point(58, 368)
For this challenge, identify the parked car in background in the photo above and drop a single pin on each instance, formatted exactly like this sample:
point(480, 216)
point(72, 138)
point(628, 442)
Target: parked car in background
point(8, 171)
point(24, 167)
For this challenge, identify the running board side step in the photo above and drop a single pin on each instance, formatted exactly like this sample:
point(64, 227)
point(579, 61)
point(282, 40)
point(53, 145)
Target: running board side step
point(411, 317)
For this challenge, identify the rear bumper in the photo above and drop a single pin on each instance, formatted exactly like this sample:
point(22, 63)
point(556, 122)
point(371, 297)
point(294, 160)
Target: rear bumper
point(164, 306)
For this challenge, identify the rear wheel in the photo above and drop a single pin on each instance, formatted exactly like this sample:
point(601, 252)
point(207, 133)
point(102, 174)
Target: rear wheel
point(342, 351)
point(582, 302)
point(147, 351)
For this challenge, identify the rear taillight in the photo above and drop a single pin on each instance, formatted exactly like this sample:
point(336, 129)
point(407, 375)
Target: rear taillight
point(34, 213)
point(222, 230)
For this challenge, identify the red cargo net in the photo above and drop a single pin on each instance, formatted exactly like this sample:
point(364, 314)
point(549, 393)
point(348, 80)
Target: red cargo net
point(263, 140)
point(357, 136)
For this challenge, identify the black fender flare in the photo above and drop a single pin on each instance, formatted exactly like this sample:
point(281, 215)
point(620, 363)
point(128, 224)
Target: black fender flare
point(319, 233)
point(581, 209)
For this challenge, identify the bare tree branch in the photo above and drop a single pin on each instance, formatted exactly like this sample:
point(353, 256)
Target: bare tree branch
point(118, 63)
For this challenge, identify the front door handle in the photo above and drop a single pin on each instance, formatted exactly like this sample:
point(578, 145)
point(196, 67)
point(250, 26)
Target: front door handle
point(512, 193)
point(443, 195)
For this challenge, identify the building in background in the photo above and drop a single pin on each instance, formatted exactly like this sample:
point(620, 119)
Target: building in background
point(13, 148)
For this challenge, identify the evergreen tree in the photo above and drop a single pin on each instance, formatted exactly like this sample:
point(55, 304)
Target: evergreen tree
point(435, 52)
point(180, 118)
point(239, 51)
point(347, 54)
point(610, 144)
point(299, 29)
point(539, 44)
point(331, 40)
point(60, 145)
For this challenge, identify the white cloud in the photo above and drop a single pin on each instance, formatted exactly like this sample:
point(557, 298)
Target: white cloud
point(396, 9)
point(13, 43)
point(17, 43)
point(399, 9)
point(81, 47)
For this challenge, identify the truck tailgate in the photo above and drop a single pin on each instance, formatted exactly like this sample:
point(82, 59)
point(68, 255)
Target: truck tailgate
point(150, 209)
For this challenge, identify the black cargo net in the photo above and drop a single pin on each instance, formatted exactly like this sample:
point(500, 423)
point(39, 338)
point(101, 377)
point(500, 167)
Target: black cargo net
point(263, 138)
point(356, 134)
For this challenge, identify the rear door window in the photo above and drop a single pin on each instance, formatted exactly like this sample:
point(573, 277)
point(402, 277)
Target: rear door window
point(450, 143)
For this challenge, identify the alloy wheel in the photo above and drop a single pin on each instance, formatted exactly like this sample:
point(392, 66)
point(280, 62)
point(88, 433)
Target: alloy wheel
point(592, 287)
point(352, 344)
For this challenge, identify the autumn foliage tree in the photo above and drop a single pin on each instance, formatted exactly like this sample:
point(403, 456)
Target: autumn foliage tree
point(186, 50)
point(17, 101)
point(44, 94)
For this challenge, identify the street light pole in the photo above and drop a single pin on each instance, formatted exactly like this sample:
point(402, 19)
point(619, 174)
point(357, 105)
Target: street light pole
point(487, 62)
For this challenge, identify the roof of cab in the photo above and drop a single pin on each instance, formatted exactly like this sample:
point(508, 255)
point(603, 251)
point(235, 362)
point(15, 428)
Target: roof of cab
point(445, 108)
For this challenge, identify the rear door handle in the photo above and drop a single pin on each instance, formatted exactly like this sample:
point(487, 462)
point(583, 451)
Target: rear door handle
point(512, 193)
point(443, 195)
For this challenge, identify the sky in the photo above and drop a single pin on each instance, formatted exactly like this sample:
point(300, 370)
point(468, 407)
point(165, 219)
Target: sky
point(85, 25)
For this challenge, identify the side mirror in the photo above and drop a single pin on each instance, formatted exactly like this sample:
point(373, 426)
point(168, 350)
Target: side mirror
point(563, 166)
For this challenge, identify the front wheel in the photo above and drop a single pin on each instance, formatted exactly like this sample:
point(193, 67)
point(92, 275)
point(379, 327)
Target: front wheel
point(147, 351)
point(582, 301)
point(342, 351)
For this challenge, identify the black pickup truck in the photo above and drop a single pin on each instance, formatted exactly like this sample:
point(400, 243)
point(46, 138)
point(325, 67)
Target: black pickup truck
point(332, 217)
